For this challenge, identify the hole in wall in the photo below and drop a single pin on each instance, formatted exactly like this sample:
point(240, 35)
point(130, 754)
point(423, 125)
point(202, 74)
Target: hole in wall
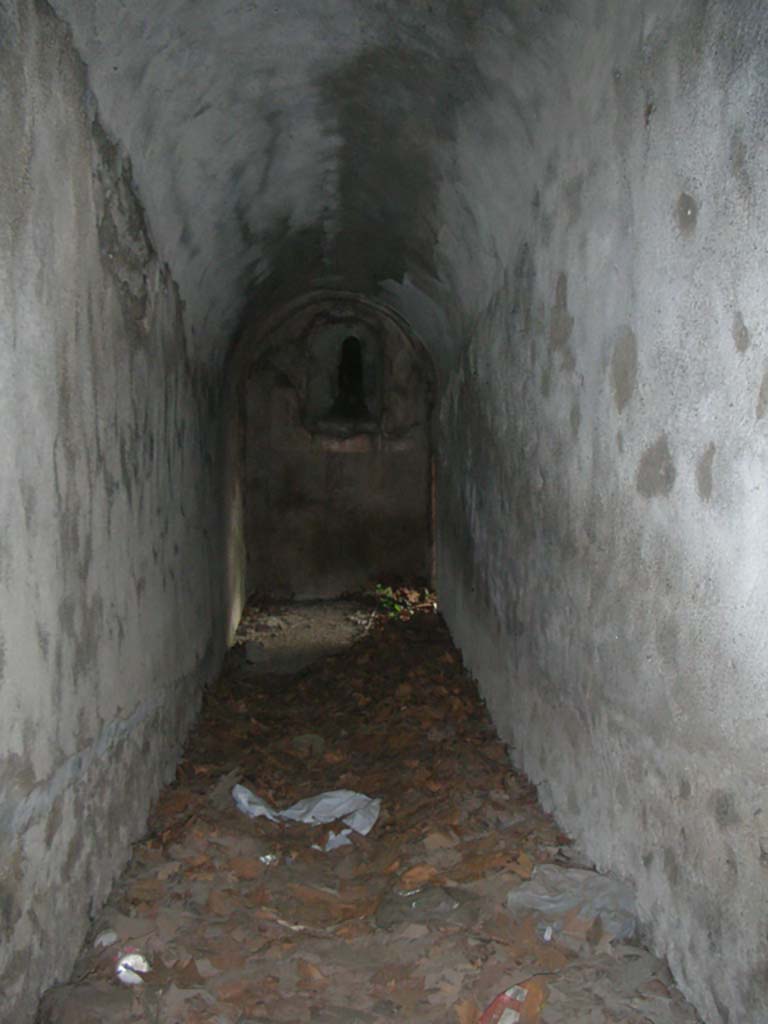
point(350, 402)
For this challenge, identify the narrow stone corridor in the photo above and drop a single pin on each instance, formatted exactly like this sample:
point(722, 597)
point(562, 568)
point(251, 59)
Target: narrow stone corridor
point(300, 297)
point(245, 920)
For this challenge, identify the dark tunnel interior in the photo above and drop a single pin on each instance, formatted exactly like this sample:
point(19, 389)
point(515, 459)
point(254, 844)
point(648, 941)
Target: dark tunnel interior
point(295, 298)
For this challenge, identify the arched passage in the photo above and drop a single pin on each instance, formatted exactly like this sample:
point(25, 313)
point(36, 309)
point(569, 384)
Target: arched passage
point(566, 201)
point(337, 405)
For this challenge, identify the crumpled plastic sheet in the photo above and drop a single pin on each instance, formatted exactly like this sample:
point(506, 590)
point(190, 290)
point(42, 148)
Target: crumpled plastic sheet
point(358, 812)
point(554, 891)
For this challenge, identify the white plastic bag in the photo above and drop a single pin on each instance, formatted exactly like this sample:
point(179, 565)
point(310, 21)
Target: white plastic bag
point(358, 812)
point(554, 891)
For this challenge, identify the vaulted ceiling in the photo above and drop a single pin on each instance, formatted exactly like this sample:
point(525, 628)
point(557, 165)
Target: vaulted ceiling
point(354, 144)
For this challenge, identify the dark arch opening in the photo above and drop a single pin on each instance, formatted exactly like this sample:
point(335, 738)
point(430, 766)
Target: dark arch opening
point(337, 398)
point(350, 403)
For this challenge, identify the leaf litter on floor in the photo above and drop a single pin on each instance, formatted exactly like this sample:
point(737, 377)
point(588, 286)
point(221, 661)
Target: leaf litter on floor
point(245, 920)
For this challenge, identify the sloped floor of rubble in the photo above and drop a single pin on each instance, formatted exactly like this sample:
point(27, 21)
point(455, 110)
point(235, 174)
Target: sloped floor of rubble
point(246, 920)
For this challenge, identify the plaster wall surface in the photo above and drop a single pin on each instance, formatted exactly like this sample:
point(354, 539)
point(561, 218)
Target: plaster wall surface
point(110, 606)
point(603, 486)
point(278, 149)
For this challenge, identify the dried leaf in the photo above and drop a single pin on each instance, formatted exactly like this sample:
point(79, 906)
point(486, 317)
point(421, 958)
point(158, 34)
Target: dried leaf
point(474, 867)
point(246, 867)
point(418, 875)
point(175, 1002)
point(439, 841)
point(409, 995)
point(232, 990)
point(206, 968)
point(173, 802)
point(186, 974)
point(321, 907)
point(534, 1001)
point(167, 870)
point(310, 975)
point(222, 902)
point(524, 866)
point(147, 890)
point(229, 960)
point(467, 1011)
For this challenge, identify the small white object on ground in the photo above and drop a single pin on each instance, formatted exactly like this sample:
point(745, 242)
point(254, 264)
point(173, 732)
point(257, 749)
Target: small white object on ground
point(130, 968)
point(359, 812)
point(104, 939)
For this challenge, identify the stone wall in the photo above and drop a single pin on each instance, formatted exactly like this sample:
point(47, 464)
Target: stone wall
point(604, 464)
point(111, 609)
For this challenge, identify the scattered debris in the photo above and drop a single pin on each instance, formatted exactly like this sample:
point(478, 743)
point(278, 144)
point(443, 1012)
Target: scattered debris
point(565, 896)
point(404, 602)
point(364, 620)
point(246, 918)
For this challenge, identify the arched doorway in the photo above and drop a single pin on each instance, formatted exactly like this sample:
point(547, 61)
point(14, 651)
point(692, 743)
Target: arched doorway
point(337, 455)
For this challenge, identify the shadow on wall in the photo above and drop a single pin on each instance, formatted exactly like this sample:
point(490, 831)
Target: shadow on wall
point(337, 453)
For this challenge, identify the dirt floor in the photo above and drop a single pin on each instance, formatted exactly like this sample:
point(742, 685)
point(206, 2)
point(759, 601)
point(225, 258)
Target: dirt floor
point(243, 920)
point(282, 639)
